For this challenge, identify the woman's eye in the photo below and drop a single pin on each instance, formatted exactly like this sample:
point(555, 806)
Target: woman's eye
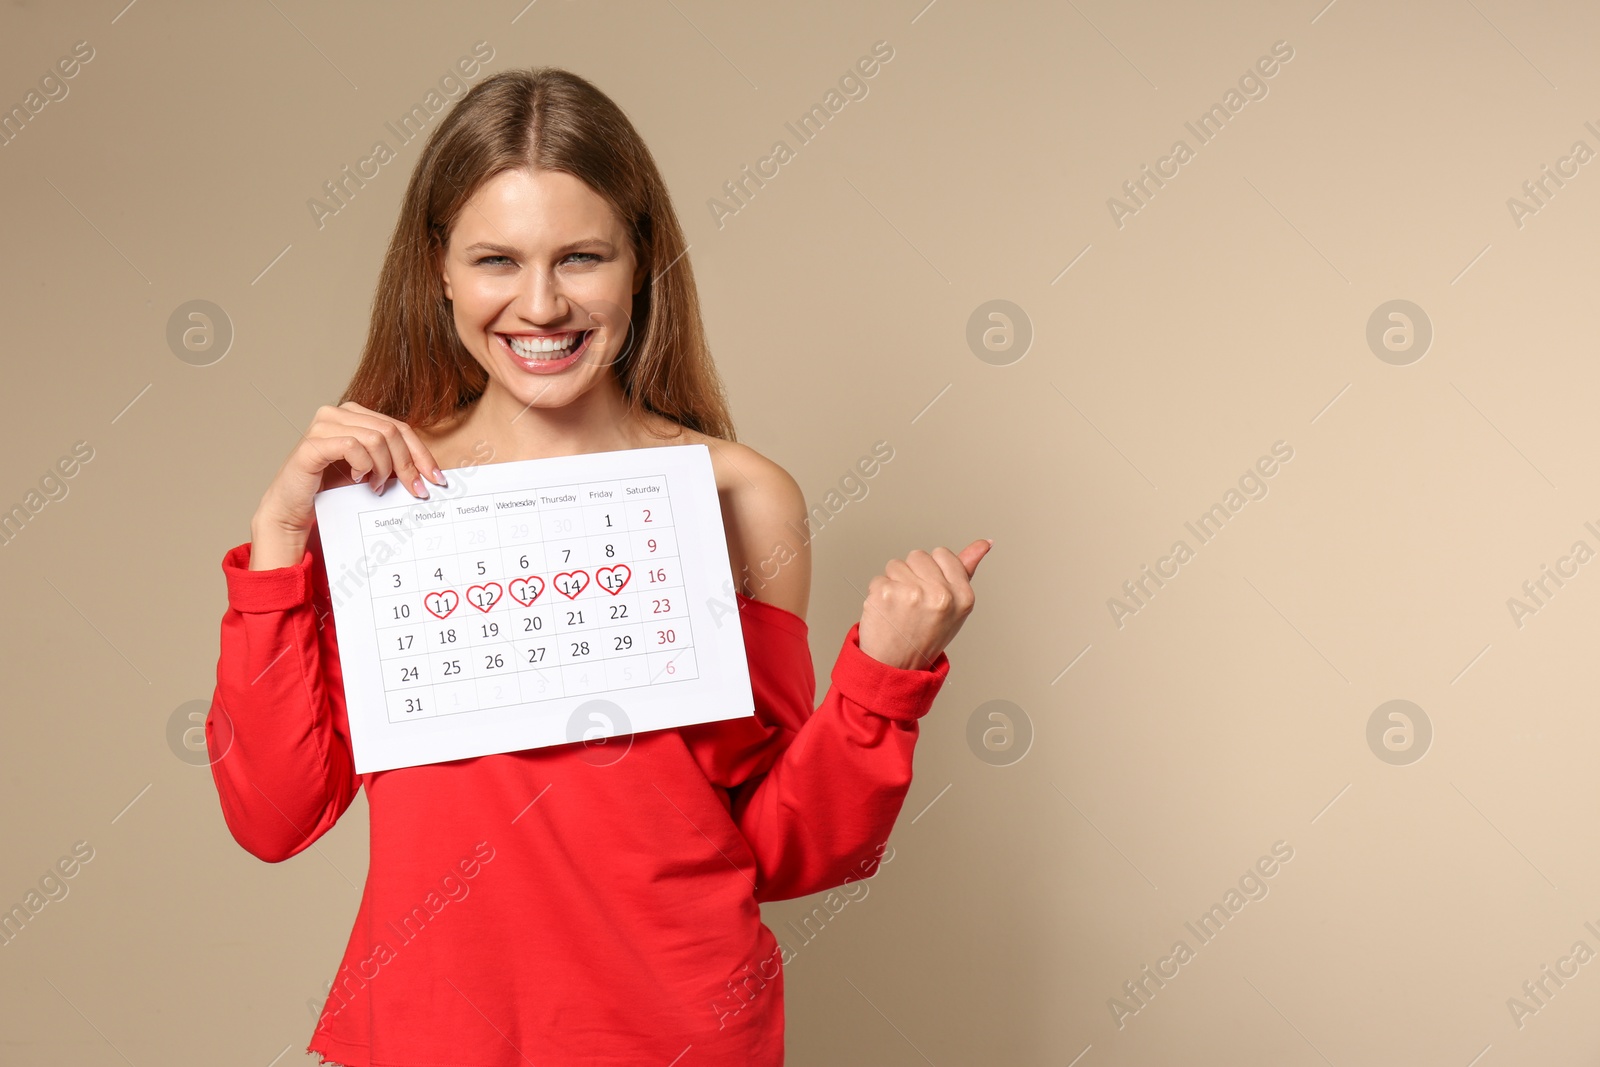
point(507, 259)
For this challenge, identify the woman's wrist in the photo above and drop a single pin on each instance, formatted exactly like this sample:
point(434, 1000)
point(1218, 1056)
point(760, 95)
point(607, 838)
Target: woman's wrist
point(272, 546)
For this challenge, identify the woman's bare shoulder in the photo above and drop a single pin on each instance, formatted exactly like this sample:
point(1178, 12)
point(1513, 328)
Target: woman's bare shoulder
point(738, 467)
point(764, 516)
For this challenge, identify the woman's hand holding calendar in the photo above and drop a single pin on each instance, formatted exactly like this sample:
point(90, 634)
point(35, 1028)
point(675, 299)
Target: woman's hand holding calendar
point(917, 605)
point(344, 445)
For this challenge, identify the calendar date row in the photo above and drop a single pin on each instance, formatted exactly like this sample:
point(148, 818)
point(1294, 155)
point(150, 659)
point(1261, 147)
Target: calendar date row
point(531, 687)
point(578, 585)
point(511, 656)
point(483, 588)
point(429, 634)
point(469, 562)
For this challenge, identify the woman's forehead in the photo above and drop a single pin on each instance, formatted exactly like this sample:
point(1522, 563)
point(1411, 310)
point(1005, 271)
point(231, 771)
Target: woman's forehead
point(537, 209)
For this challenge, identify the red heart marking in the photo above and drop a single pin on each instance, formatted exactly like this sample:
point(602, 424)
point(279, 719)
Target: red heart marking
point(621, 568)
point(446, 600)
point(526, 590)
point(491, 595)
point(582, 583)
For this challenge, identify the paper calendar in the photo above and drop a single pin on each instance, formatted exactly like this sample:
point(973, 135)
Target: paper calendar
point(533, 603)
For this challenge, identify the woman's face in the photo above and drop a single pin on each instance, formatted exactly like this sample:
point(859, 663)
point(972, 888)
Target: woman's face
point(541, 277)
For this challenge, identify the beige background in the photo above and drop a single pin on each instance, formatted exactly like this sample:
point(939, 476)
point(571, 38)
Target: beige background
point(1228, 314)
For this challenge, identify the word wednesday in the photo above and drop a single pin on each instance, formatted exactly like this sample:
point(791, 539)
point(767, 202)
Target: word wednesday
point(1252, 886)
point(1211, 123)
point(1254, 487)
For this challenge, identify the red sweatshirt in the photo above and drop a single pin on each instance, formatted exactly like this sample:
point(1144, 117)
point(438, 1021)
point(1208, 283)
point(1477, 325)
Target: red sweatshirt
point(578, 904)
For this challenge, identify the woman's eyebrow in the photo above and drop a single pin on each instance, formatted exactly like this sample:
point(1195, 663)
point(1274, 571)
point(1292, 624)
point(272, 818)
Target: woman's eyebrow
point(570, 246)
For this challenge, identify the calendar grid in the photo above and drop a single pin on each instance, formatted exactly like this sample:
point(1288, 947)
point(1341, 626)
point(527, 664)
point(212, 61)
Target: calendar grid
point(502, 599)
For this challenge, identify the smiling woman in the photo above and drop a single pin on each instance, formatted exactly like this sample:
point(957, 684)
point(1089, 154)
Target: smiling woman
point(537, 301)
point(560, 237)
point(547, 320)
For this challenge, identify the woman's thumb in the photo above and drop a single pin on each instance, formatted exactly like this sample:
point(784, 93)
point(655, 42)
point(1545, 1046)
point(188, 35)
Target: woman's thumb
point(974, 552)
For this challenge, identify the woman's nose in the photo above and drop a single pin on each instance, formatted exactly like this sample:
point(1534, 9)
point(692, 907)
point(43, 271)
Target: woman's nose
point(541, 299)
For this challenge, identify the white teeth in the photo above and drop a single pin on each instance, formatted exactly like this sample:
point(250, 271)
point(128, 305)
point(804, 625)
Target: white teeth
point(544, 347)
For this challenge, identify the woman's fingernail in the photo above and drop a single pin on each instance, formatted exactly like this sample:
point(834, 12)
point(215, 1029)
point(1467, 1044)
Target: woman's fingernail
point(422, 489)
point(438, 476)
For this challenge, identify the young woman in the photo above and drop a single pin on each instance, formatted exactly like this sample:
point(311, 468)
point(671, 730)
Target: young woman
point(544, 906)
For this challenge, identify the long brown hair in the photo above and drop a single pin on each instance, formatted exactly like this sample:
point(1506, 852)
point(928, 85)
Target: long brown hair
point(414, 367)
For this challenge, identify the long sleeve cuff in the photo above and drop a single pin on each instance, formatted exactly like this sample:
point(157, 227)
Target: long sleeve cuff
point(275, 589)
point(899, 693)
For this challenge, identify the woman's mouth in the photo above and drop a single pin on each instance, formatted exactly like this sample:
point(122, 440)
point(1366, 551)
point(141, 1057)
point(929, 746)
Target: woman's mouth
point(548, 354)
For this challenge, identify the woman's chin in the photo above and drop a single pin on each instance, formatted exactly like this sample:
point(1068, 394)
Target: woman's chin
point(533, 391)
